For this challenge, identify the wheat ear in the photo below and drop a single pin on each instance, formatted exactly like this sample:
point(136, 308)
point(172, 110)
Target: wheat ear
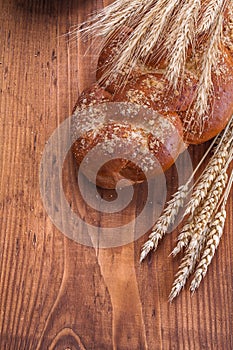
point(195, 119)
point(159, 28)
point(206, 234)
point(213, 238)
point(214, 167)
point(201, 222)
point(214, 235)
point(208, 16)
point(147, 33)
point(172, 209)
point(203, 214)
point(179, 39)
point(203, 184)
point(165, 220)
point(187, 230)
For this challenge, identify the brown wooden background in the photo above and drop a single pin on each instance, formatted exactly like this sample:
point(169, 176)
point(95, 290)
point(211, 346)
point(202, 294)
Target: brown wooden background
point(55, 293)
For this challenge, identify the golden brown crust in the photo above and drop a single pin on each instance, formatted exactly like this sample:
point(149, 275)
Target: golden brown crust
point(152, 91)
point(221, 103)
point(148, 147)
point(115, 169)
point(91, 96)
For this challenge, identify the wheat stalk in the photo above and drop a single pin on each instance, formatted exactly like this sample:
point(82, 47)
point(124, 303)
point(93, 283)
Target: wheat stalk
point(174, 205)
point(200, 229)
point(214, 167)
point(179, 39)
point(165, 220)
point(196, 117)
point(214, 234)
point(187, 265)
point(208, 16)
point(172, 209)
point(203, 232)
point(163, 26)
point(145, 36)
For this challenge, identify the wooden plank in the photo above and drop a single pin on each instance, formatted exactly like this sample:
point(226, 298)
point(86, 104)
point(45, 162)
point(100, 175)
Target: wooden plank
point(56, 293)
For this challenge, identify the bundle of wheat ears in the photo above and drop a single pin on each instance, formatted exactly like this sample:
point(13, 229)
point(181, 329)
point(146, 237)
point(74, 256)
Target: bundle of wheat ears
point(173, 26)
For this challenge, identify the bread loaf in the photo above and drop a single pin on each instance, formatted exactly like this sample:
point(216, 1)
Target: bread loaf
point(141, 148)
point(147, 86)
point(149, 144)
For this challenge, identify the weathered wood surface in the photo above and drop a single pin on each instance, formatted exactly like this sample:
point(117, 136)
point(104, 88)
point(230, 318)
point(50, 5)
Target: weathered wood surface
point(54, 292)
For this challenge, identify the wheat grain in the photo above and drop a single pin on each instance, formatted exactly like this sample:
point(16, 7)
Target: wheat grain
point(187, 265)
point(173, 206)
point(214, 168)
point(179, 39)
point(147, 33)
point(198, 235)
point(214, 235)
point(184, 237)
point(158, 27)
point(195, 118)
point(165, 220)
point(210, 12)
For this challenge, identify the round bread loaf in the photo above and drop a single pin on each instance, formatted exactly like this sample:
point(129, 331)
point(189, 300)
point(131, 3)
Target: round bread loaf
point(139, 143)
point(148, 86)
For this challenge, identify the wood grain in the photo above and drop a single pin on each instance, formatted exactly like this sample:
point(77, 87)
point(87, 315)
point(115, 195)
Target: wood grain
point(54, 292)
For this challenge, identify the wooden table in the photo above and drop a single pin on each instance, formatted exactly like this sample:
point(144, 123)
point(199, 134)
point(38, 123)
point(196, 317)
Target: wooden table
point(54, 292)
